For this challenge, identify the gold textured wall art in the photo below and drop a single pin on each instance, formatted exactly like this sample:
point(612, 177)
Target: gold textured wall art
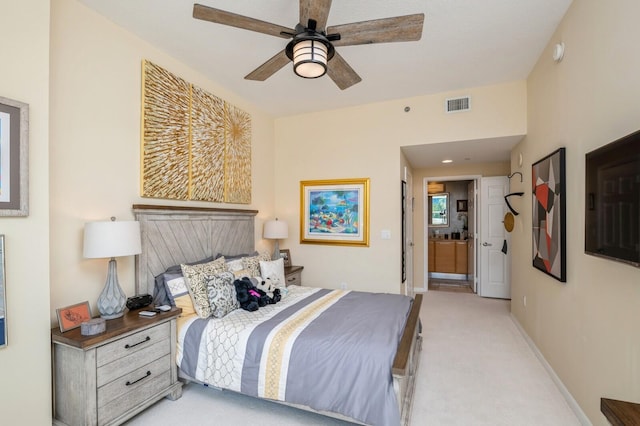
point(165, 141)
point(207, 147)
point(237, 173)
point(195, 146)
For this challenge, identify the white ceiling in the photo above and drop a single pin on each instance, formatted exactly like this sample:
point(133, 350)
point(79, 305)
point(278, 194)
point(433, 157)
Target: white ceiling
point(465, 43)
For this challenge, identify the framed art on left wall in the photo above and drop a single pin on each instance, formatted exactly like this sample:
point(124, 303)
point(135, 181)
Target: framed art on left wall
point(14, 158)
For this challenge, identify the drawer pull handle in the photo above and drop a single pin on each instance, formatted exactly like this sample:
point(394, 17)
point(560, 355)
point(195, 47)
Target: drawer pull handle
point(136, 381)
point(128, 346)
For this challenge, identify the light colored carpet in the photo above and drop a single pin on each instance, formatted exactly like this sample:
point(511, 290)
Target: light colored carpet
point(475, 369)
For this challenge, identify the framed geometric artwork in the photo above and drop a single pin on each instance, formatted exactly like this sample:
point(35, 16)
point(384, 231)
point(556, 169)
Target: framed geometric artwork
point(335, 212)
point(549, 215)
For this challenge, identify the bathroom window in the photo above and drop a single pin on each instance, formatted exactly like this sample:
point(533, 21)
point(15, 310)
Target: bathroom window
point(439, 209)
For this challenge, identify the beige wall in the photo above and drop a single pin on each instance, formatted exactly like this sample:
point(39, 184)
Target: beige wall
point(587, 329)
point(25, 373)
point(448, 171)
point(84, 165)
point(365, 141)
point(95, 143)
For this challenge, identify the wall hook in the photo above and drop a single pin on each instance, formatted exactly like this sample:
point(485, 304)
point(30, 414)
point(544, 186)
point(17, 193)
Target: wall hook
point(519, 194)
point(515, 173)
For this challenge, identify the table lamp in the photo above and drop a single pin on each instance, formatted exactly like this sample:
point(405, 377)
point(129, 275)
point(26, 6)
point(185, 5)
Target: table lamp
point(111, 239)
point(275, 230)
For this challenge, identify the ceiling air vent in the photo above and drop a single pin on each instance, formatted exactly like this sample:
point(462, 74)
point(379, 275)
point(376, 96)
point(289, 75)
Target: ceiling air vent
point(458, 104)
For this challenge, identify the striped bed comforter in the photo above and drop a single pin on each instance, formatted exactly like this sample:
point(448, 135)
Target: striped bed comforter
point(330, 350)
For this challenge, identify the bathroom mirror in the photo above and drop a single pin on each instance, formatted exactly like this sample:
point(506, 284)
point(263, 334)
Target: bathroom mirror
point(439, 209)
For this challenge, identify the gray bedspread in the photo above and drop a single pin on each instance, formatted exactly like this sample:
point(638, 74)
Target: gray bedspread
point(330, 350)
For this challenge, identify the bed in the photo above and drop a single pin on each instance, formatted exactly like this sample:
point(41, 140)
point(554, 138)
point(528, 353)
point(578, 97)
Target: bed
point(270, 358)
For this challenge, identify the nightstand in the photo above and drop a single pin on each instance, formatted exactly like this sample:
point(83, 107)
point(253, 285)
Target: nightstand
point(107, 378)
point(293, 275)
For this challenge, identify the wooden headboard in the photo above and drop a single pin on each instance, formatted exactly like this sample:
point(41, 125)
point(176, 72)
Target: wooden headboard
point(172, 235)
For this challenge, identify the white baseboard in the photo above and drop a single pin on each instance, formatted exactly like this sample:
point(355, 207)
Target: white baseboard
point(582, 417)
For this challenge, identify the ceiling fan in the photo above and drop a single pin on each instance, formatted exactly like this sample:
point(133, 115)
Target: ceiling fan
point(312, 45)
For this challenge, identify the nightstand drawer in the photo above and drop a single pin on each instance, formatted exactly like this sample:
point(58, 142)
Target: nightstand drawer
point(294, 278)
point(130, 390)
point(132, 361)
point(131, 344)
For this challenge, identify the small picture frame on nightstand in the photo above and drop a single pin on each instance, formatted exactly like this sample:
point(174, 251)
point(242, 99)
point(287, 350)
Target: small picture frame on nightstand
point(71, 317)
point(286, 256)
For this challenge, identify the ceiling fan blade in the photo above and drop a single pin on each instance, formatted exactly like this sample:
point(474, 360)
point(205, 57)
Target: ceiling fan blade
point(341, 72)
point(386, 30)
point(223, 17)
point(315, 9)
point(269, 68)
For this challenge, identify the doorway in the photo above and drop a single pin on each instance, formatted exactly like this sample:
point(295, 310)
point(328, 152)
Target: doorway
point(484, 238)
point(450, 218)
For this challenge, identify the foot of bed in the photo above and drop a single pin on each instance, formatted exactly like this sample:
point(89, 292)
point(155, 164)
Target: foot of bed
point(411, 385)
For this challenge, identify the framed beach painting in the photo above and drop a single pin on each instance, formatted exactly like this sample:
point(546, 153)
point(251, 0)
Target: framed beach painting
point(14, 162)
point(335, 212)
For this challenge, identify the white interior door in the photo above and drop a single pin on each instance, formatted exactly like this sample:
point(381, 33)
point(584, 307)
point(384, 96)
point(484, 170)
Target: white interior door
point(495, 264)
point(472, 263)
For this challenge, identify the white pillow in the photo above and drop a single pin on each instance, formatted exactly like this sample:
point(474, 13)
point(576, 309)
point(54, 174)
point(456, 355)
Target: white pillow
point(234, 265)
point(273, 269)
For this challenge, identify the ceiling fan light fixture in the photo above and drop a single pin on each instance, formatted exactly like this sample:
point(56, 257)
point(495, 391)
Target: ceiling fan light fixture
point(310, 59)
point(310, 52)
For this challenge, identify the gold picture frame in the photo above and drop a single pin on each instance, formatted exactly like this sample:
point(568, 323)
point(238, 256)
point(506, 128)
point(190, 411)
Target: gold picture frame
point(335, 212)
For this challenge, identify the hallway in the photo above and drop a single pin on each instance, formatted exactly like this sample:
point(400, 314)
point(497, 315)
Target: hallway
point(477, 369)
point(457, 286)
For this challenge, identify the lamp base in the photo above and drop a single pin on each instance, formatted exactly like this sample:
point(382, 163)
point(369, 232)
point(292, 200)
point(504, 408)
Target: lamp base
point(112, 300)
point(276, 251)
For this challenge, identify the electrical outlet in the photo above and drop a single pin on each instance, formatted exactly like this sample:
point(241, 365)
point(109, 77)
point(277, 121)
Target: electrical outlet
point(524, 301)
point(343, 286)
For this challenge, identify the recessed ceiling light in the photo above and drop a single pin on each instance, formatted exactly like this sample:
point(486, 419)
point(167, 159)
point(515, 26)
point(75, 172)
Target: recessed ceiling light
point(447, 161)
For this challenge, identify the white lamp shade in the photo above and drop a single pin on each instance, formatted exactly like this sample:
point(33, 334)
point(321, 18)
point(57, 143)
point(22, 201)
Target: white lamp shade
point(111, 239)
point(275, 229)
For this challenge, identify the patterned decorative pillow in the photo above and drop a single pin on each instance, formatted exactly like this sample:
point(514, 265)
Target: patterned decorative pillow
point(195, 277)
point(174, 286)
point(252, 264)
point(179, 294)
point(160, 296)
point(222, 294)
point(273, 268)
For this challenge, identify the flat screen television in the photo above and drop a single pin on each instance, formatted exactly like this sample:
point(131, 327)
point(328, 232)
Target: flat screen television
point(612, 201)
